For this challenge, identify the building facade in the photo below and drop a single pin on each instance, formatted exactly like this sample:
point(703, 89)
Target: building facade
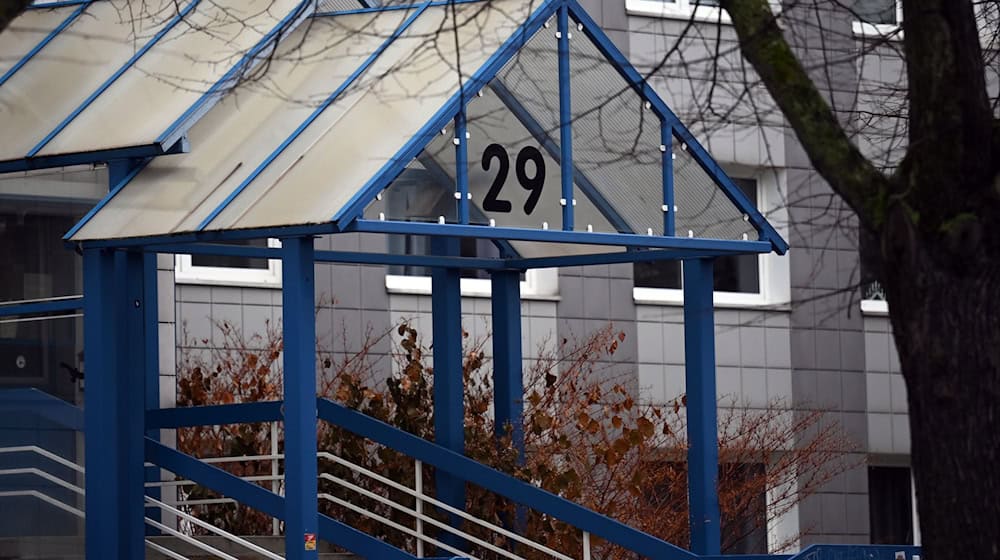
point(806, 329)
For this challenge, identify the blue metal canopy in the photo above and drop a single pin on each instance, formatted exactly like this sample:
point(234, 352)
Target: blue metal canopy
point(489, 121)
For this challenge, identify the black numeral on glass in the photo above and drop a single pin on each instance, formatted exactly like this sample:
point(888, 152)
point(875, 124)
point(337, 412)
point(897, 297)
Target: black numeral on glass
point(534, 184)
point(491, 203)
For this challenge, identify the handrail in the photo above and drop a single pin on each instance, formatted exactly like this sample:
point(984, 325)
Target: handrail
point(521, 492)
point(393, 524)
point(420, 496)
point(44, 453)
point(44, 475)
point(212, 528)
point(45, 498)
point(190, 540)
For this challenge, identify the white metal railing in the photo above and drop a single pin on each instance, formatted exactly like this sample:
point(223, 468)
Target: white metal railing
point(150, 503)
point(276, 480)
point(421, 519)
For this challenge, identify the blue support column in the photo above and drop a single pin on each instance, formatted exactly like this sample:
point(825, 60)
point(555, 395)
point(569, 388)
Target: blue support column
point(702, 423)
point(151, 361)
point(667, 147)
point(462, 166)
point(508, 385)
point(449, 387)
point(565, 118)
point(114, 403)
point(298, 304)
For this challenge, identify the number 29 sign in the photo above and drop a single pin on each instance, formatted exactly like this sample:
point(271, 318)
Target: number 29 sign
point(499, 201)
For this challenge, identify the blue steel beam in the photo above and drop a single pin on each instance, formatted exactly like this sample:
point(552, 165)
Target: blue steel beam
point(97, 156)
point(299, 357)
point(44, 405)
point(558, 236)
point(45, 41)
point(635, 80)
point(505, 485)
point(667, 147)
point(449, 385)
point(462, 166)
point(355, 207)
point(702, 421)
point(538, 132)
point(340, 257)
point(68, 304)
point(114, 77)
point(312, 117)
point(565, 118)
point(215, 415)
point(265, 501)
point(614, 258)
point(392, 8)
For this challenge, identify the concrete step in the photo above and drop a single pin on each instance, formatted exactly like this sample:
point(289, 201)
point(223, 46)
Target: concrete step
point(72, 548)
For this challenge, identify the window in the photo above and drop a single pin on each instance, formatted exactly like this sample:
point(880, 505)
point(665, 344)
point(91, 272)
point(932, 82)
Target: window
point(230, 270)
point(877, 17)
point(420, 195)
point(890, 505)
point(707, 10)
point(739, 280)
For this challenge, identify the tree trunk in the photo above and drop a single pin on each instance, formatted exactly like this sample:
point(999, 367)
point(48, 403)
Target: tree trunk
point(944, 303)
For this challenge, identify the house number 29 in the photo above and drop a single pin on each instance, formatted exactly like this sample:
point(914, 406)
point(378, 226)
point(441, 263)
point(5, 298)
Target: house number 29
point(534, 185)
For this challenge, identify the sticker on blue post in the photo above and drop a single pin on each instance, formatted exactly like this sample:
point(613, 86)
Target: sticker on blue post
point(310, 541)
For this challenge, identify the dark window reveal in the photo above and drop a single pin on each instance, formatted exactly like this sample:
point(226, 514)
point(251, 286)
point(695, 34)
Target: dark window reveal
point(890, 505)
point(732, 274)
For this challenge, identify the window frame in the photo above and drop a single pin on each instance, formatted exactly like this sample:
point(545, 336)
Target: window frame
point(538, 284)
point(865, 29)
point(773, 270)
point(187, 273)
point(680, 9)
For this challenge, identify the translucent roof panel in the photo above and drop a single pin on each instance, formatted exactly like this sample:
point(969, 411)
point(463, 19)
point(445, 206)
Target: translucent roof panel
point(119, 74)
point(172, 75)
point(28, 30)
point(353, 103)
point(179, 192)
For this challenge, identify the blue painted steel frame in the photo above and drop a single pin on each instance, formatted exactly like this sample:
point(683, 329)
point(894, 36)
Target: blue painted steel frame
point(356, 205)
point(524, 116)
point(508, 383)
point(68, 304)
point(565, 118)
point(266, 501)
point(702, 422)
point(462, 166)
point(667, 147)
point(299, 355)
point(115, 403)
point(449, 385)
point(639, 84)
point(48, 39)
point(495, 481)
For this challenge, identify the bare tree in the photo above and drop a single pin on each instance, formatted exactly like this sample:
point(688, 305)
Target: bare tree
point(928, 219)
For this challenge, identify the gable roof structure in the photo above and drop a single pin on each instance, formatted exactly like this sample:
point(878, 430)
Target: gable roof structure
point(491, 115)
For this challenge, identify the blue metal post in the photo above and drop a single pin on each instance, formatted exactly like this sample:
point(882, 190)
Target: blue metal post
point(298, 304)
point(565, 118)
point(667, 147)
point(508, 387)
point(449, 401)
point(151, 369)
point(462, 166)
point(114, 404)
point(702, 424)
